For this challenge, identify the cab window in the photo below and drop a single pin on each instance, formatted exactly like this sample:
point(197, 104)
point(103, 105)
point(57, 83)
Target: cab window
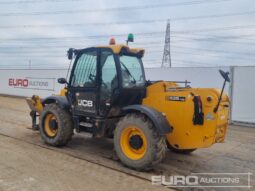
point(85, 70)
point(131, 71)
point(109, 73)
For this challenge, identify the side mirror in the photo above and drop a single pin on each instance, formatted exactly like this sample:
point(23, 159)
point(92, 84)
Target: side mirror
point(70, 53)
point(62, 81)
point(225, 75)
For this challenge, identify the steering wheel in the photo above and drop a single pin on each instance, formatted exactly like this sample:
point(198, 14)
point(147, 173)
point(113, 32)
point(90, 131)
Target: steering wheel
point(92, 78)
point(225, 75)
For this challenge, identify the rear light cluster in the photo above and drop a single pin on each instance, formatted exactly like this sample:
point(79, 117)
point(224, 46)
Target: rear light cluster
point(198, 117)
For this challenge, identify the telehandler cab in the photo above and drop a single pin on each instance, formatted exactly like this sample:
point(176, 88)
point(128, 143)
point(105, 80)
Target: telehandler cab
point(107, 95)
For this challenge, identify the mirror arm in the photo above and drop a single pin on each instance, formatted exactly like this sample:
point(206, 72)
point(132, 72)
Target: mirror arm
point(66, 84)
point(218, 104)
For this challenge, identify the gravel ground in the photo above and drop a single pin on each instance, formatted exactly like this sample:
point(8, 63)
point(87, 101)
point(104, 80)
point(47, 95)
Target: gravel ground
point(26, 163)
point(25, 166)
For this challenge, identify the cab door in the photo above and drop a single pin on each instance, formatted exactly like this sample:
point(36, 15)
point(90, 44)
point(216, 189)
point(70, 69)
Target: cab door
point(109, 81)
point(83, 85)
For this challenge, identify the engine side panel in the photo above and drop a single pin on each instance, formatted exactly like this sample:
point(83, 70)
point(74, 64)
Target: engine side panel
point(178, 105)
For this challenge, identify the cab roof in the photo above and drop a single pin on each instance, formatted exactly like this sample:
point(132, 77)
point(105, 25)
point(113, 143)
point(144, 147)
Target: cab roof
point(117, 49)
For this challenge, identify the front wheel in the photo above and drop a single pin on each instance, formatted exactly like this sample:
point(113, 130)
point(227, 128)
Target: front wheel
point(56, 126)
point(137, 143)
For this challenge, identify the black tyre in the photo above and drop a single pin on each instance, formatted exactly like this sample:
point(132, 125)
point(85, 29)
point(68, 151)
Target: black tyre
point(137, 143)
point(56, 126)
point(180, 151)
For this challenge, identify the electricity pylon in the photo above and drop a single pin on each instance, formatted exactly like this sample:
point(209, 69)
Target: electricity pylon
point(166, 61)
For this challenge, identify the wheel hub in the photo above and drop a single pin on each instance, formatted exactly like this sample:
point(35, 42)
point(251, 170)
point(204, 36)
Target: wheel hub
point(136, 142)
point(133, 142)
point(50, 125)
point(53, 124)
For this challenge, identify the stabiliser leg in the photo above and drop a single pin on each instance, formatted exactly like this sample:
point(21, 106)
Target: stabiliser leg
point(35, 126)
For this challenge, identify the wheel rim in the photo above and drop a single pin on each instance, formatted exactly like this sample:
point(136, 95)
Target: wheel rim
point(133, 142)
point(51, 125)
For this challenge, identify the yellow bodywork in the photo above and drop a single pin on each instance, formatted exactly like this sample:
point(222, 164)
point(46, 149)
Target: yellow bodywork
point(117, 49)
point(35, 103)
point(185, 134)
point(63, 92)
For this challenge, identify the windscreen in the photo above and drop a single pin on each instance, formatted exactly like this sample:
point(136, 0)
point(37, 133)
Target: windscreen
point(132, 71)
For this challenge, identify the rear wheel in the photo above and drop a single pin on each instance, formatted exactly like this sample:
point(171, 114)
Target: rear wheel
point(56, 127)
point(180, 151)
point(137, 143)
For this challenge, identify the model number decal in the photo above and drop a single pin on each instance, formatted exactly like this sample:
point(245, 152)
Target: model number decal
point(85, 103)
point(176, 98)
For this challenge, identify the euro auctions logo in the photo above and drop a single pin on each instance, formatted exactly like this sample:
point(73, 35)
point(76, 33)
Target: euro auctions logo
point(205, 180)
point(32, 83)
point(18, 82)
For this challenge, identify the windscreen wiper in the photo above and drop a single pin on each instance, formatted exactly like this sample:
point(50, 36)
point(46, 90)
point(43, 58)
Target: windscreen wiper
point(134, 81)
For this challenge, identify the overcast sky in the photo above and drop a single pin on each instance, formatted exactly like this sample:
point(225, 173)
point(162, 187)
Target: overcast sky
point(222, 32)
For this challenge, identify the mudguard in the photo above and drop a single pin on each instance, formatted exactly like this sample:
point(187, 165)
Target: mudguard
point(157, 118)
point(60, 100)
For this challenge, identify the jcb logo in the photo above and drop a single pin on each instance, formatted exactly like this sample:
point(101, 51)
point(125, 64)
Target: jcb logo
point(85, 103)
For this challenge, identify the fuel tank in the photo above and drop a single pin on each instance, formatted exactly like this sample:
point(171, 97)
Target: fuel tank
point(190, 111)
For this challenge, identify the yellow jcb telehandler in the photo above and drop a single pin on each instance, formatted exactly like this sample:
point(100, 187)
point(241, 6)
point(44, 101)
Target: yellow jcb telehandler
point(107, 95)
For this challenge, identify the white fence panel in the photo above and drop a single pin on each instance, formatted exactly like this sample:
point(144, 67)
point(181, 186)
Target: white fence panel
point(28, 82)
point(199, 77)
point(243, 105)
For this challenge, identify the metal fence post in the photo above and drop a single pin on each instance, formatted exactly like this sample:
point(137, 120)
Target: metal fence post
point(231, 91)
